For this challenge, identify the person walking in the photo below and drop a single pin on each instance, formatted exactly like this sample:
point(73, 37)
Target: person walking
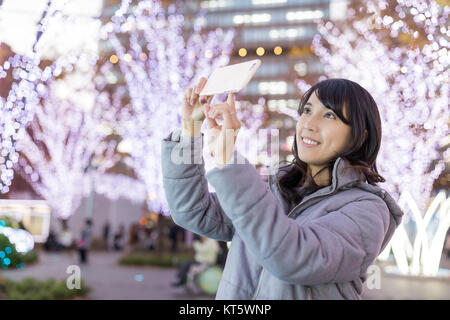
point(84, 241)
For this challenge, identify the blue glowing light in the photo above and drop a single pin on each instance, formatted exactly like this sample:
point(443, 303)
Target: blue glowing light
point(139, 277)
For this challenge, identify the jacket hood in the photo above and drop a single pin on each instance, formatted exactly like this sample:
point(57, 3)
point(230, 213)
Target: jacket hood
point(346, 178)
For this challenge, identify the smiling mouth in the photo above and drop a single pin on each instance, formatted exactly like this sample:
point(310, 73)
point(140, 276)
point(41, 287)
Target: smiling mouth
point(309, 142)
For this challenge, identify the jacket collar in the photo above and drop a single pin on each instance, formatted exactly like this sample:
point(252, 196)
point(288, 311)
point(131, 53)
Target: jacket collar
point(341, 177)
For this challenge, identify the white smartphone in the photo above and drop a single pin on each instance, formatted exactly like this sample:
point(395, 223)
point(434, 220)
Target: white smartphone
point(230, 79)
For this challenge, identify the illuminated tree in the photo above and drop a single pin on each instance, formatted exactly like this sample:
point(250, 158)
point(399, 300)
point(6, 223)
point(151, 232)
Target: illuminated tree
point(115, 186)
point(409, 82)
point(398, 51)
point(157, 65)
point(66, 140)
point(22, 80)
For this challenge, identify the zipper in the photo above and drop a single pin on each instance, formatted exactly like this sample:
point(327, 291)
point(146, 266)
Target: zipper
point(262, 272)
point(259, 285)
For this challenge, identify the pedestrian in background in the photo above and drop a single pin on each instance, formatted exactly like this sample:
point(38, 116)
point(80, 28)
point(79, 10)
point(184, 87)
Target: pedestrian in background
point(106, 234)
point(118, 238)
point(206, 251)
point(65, 238)
point(84, 241)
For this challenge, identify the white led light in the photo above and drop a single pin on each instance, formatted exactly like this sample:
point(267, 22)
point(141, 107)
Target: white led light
point(406, 84)
point(422, 256)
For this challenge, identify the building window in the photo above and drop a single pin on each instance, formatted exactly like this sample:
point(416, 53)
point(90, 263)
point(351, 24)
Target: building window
point(256, 18)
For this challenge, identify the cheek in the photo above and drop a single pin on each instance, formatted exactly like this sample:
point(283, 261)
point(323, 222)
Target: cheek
point(342, 140)
point(298, 128)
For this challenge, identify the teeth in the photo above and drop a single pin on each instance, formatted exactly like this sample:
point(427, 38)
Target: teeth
point(309, 141)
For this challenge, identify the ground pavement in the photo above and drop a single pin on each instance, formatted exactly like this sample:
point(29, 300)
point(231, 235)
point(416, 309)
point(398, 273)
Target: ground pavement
point(109, 280)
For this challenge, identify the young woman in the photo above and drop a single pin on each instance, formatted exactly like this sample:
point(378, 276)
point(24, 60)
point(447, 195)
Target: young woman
point(315, 229)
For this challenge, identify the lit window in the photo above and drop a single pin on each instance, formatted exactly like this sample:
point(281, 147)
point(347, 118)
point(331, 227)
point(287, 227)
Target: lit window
point(273, 87)
point(265, 2)
point(291, 33)
point(301, 68)
point(253, 18)
point(274, 34)
point(272, 104)
point(214, 4)
point(304, 15)
point(293, 103)
point(282, 103)
point(287, 33)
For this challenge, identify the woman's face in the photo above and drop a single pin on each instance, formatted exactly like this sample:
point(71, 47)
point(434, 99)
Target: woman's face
point(323, 126)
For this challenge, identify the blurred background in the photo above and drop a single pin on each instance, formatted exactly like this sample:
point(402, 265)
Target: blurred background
point(89, 88)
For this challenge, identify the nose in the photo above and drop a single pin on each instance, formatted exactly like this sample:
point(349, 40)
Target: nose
point(311, 123)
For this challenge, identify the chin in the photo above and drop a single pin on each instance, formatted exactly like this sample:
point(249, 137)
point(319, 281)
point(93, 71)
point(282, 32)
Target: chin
point(311, 161)
point(307, 160)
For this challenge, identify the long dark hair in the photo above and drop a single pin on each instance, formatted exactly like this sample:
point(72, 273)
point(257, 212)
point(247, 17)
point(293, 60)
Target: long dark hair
point(363, 150)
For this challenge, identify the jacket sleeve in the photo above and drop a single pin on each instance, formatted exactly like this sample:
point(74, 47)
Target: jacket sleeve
point(338, 247)
point(191, 204)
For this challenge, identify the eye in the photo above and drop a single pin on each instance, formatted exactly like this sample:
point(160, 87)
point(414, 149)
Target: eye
point(329, 113)
point(305, 110)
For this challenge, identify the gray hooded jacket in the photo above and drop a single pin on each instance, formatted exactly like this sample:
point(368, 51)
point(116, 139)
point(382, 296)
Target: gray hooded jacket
point(320, 249)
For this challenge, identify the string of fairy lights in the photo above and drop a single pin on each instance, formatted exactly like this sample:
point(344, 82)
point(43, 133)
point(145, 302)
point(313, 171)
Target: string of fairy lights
point(156, 85)
point(410, 86)
point(17, 108)
point(157, 65)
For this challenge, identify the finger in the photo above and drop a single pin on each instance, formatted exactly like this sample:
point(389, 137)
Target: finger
point(201, 84)
point(187, 96)
point(232, 104)
point(229, 112)
point(192, 98)
point(230, 101)
point(217, 110)
point(230, 122)
point(210, 121)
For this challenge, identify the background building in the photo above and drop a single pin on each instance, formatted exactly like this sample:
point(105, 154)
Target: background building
point(279, 33)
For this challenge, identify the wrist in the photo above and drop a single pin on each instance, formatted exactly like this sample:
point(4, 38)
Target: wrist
point(191, 128)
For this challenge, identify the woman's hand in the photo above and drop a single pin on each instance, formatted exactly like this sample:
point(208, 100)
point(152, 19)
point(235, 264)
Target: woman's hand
point(221, 139)
point(192, 110)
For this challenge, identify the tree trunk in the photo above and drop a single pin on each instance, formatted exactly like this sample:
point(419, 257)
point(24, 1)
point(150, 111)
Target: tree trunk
point(160, 228)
